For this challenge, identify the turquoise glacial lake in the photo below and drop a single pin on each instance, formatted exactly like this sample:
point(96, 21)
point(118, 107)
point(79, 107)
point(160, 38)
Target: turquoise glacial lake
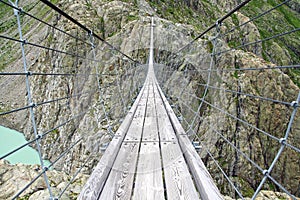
point(11, 139)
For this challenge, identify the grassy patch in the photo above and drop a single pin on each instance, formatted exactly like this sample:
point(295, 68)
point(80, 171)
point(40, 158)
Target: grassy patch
point(277, 21)
point(235, 19)
point(295, 76)
point(132, 17)
point(181, 12)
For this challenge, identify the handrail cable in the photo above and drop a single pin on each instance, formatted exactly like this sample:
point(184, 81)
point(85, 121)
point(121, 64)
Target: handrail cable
point(46, 23)
point(219, 21)
point(240, 152)
point(247, 94)
point(32, 105)
point(267, 67)
point(256, 17)
point(258, 41)
point(40, 136)
point(45, 169)
point(47, 48)
point(74, 176)
point(52, 74)
point(54, 7)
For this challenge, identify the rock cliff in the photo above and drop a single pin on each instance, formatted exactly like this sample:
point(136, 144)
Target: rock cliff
point(125, 25)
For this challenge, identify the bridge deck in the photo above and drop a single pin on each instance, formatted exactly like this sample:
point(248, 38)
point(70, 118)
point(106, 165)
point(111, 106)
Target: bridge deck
point(150, 157)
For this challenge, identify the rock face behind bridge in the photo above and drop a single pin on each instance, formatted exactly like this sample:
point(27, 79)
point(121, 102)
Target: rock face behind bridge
point(125, 25)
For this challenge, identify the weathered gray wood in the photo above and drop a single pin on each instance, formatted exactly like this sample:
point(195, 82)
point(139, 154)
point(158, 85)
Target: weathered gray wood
point(119, 183)
point(166, 131)
point(135, 131)
point(149, 180)
point(204, 182)
point(131, 164)
point(178, 180)
point(150, 132)
point(96, 181)
point(179, 183)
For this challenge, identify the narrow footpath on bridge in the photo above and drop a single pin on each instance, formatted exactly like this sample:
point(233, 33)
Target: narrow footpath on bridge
point(150, 157)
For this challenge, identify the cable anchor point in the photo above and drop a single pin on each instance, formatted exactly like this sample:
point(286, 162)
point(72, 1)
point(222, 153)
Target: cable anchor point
point(32, 105)
point(265, 172)
point(294, 104)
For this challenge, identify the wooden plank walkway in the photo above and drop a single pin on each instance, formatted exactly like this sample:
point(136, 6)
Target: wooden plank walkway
point(150, 156)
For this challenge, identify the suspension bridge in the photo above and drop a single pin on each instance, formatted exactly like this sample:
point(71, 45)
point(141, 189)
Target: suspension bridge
point(158, 120)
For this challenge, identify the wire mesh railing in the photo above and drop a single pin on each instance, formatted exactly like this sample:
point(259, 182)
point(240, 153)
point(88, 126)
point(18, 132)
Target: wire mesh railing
point(63, 86)
point(238, 101)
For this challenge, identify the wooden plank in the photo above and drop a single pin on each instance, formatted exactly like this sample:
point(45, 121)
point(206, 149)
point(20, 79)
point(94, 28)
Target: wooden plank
point(138, 120)
point(135, 132)
point(99, 175)
point(150, 125)
point(178, 180)
point(149, 180)
point(179, 183)
point(166, 131)
point(120, 181)
point(150, 130)
point(204, 182)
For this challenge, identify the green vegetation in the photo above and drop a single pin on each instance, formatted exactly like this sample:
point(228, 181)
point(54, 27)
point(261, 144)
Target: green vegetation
point(278, 21)
point(295, 76)
point(132, 17)
point(235, 19)
point(210, 46)
point(7, 17)
point(199, 16)
point(26, 197)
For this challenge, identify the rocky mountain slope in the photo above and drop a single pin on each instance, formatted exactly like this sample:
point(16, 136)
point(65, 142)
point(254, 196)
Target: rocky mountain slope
point(124, 24)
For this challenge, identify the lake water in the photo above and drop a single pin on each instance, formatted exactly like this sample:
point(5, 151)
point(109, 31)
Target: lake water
point(11, 139)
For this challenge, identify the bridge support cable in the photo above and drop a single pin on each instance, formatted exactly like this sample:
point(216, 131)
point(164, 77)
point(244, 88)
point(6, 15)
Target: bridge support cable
point(218, 22)
point(34, 105)
point(268, 171)
point(282, 141)
point(62, 63)
point(75, 175)
point(267, 175)
point(52, 6)
point(119, 91)
point(217, 70)
point(219, 86)
point(146, 154)
point(256, 17)
point(109, 129)
point(30, 102)
point(45, 169)
point(211, 66)
point(259, 41)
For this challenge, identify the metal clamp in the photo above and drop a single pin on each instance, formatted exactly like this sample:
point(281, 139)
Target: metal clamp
point(32, 105)
point(282, 141)
point(218, 25)
point(265, 172)
point(45, 168)
point(294, 104)
point(39, 136)
point(29, 73)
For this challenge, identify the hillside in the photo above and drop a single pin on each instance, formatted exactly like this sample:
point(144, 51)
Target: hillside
point(124, 24)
